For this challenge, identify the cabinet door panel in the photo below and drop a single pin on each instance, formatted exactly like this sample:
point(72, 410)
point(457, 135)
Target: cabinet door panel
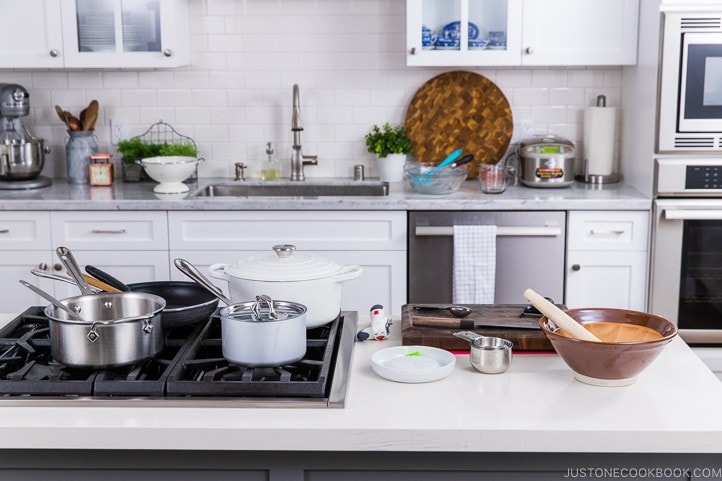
point(16, 265)
point(580, 32)
point(111, 231)
point(31, 30)
point(25, 231)
point(606, 279)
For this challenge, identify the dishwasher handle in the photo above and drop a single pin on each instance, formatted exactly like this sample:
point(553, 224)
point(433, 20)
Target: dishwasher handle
point(515, 231)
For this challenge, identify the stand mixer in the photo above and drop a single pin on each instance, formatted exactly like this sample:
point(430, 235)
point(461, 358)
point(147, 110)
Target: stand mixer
point(22, 156)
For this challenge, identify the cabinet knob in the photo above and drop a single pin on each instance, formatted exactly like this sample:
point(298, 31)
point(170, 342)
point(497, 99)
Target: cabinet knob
point(54, 53)
point(168, 52)
point(57, 267)
point(529, 50)
point(413, 50)
point(576, 267)
point(43, 266)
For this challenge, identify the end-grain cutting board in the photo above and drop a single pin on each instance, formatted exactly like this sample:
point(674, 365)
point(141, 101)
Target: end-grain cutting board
point(532, 339)
point(459, 109)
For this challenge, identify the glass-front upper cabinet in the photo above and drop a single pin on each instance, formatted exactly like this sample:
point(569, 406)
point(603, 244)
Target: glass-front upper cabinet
point(463, 32)
point(125, 33)
point(521, 32)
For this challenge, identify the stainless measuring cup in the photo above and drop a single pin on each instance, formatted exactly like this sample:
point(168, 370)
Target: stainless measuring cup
point(490, 355)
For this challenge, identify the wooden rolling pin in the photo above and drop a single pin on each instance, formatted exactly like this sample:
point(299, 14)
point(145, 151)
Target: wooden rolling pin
point(560, 318)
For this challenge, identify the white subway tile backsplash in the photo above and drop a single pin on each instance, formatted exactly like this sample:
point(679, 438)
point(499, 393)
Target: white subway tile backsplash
point(348, 58)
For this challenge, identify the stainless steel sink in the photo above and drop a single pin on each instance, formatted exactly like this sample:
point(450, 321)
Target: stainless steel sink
point(294, 189)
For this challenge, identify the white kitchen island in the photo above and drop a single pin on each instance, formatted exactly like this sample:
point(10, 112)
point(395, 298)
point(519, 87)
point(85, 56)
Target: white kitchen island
point(535, 407)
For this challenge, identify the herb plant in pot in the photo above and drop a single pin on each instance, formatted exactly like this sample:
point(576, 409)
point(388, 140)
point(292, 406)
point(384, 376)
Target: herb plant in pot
point(391, 146)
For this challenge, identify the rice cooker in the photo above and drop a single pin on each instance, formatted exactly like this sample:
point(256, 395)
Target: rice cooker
point(546, 161)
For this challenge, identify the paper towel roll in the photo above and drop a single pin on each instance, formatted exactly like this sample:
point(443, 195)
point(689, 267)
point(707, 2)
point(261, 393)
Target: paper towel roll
point(599, 133)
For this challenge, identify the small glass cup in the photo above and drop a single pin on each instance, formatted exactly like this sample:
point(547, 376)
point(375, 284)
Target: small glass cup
point(492, 178)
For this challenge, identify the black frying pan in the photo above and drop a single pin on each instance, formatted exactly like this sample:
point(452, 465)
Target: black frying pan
point(186, 302)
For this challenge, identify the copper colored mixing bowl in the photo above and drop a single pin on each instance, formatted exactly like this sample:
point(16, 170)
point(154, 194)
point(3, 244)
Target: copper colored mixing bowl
point(609, 363)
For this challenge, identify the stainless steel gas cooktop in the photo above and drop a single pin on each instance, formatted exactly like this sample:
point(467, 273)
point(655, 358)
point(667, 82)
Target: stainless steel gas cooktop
point(190, 371)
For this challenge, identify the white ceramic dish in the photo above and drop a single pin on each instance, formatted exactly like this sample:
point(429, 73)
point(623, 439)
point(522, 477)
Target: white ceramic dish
point(413, 364)
point(170, 172)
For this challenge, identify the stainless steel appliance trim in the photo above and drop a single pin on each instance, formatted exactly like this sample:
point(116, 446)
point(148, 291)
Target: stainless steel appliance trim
point(522, 231)
point(666, 254)
point(692, 214)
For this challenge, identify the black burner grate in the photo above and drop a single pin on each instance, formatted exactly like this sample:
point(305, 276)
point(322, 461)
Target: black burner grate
point(204, 372)
point(191, 365)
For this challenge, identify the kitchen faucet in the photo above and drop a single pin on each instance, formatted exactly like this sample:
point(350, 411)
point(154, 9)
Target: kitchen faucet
point(298, 160)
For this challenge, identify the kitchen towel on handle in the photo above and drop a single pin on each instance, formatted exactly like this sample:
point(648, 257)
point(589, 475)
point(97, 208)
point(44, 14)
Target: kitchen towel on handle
point(474, 264)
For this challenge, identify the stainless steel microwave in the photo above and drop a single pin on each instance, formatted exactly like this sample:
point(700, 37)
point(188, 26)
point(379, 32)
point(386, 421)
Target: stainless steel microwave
point(690, 96)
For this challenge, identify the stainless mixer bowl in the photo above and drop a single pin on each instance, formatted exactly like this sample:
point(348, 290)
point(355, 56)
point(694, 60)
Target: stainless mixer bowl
point(22, 160)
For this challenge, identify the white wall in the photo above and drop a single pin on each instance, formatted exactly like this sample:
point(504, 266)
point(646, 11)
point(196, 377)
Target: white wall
point(347, 57)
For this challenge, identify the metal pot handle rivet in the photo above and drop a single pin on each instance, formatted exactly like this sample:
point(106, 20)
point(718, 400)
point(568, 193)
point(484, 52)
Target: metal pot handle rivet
point(147, 326)
point(284, 250)
point(93, 334)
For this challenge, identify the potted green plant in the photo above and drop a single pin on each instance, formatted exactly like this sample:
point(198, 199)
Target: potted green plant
point(135, 149)
point(391, 144)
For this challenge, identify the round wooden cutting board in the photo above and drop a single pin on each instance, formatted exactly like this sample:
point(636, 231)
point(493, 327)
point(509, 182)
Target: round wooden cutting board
point(459, 110)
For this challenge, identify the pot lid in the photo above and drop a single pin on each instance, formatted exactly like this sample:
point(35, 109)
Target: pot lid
point(284, 264)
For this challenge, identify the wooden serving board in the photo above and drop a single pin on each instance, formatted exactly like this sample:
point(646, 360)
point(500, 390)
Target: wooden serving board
point(459, 109)
point(523, 339)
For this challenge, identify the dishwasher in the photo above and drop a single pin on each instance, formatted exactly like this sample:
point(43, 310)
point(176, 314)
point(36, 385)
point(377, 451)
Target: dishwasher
point(530, 251)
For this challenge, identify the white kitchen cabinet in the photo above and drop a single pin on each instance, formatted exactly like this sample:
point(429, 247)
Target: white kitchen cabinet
point(95, 34)
point(131, 246)
point(32, 35)
point(607, 259)
point(24, 245)
point(537, 32)
point(374, 240)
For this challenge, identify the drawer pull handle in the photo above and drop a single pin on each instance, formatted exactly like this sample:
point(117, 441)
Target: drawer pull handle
point(4, 231)
point(530, 231)
point(606, 232)
point(108, 231)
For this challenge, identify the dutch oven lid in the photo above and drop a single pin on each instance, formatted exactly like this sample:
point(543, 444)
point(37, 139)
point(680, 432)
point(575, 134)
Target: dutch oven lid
point(284, 264)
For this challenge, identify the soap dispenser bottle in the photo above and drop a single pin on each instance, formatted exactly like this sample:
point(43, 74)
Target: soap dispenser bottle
point(270, 169)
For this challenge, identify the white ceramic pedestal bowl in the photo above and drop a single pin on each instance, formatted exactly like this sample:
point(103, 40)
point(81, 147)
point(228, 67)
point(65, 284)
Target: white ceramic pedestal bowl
point(170, 172)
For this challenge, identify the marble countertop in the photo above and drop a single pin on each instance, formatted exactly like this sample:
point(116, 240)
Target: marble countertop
point(536, 406)
point(140, 196)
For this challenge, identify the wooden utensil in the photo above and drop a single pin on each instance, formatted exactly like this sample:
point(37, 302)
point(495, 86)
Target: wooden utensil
point(61, 114)
point(91, 115)
point(99, 284)
point(560, 318)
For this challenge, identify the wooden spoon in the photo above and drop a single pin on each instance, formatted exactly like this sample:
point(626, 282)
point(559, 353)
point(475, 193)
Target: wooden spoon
point(560, 318)
point(61, 114)
point(91, 115)
point(73, 123)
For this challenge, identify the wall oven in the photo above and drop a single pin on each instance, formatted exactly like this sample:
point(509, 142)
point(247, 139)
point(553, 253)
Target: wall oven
point(690, 101)
point(686, 267)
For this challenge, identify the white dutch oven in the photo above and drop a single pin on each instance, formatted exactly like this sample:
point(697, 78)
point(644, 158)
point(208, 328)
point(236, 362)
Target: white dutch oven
point(313, 281)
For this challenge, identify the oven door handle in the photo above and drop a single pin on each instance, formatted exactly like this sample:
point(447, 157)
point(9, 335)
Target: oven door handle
point(520, 231)
point(692, 214)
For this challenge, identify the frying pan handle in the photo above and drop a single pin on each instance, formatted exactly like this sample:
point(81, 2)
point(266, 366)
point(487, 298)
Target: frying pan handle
point(190, 270)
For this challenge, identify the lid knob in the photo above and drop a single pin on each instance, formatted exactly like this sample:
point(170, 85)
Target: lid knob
point(284, 250)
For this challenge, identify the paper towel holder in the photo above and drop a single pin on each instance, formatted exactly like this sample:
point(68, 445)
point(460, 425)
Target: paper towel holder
point(598, 179)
